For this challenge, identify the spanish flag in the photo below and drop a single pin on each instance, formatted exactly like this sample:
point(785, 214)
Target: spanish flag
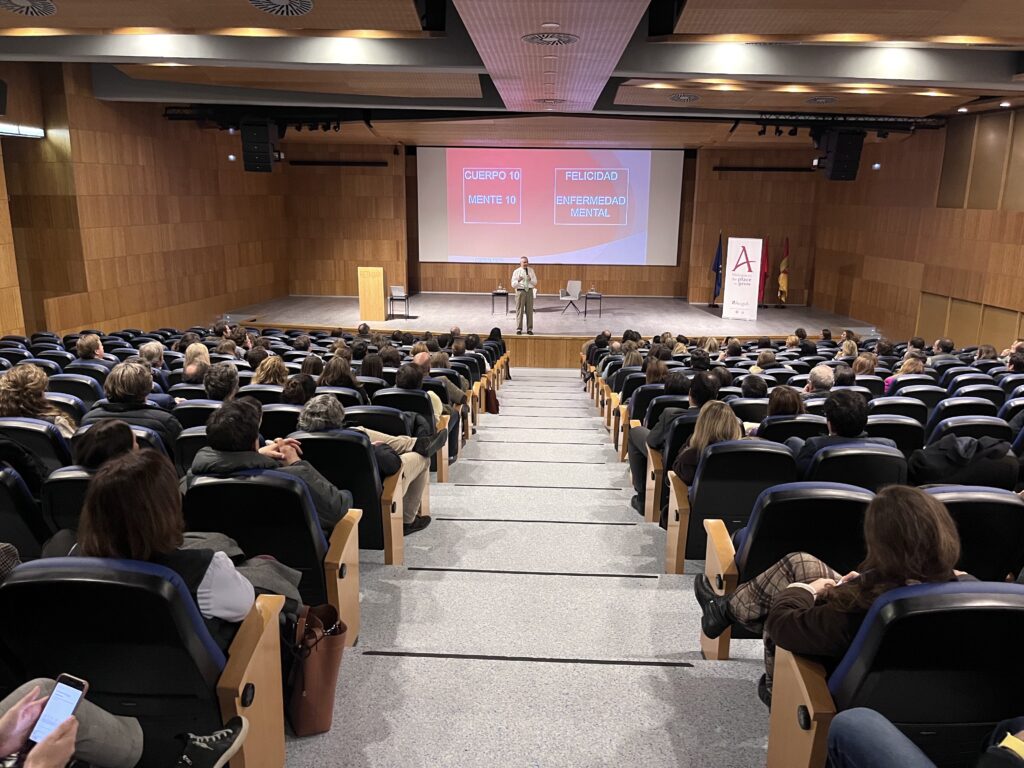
point(784, 273)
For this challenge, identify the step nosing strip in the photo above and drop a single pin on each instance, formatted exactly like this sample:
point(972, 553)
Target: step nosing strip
point(544, 522)
point(513, 572)
point(549, 487)
point(528, 659)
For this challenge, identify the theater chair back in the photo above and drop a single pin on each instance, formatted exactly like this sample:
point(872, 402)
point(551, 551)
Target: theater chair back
point(40, 438)
point(194, 413)
point(971, 426)
point(265, 393)
point(959, 406)
point(823, 519)
point(21, 523)
point(929, 394)
point(899, 406)
point(63, 496)
point(730, 477)
point(345, 457)
point(945, 695)
point(409, 400)
point(268, 513)
point(658, 405)
point(347, 396)
point(380, 418)
point(372, 384)
point(751, 409)
point(630, 384)
point(131, 629)
point(989, 392)
point(778, 429)
point(279, 420)
point(84, 388)
point(907, 433)
point(642, 398)
point(869, 465)
point(991, 526)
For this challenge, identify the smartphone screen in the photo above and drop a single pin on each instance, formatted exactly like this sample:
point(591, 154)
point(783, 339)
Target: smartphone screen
point(59, 708)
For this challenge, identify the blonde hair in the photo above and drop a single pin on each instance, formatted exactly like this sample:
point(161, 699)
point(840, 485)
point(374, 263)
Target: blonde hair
point(632, 358)
point(716, 423)
point(911, 365)
point(848, 349)
point(711, 345)
point(865, 363)
point(792, 341)
point(271, 371)
point(22, 393)
point(195, 353)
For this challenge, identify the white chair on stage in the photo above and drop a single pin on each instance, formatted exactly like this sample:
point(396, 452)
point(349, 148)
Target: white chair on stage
point(398, 294)
point(571, 294)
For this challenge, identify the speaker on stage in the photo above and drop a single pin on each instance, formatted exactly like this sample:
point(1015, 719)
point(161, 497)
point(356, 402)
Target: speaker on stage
point(842, 148)
point(258, 145)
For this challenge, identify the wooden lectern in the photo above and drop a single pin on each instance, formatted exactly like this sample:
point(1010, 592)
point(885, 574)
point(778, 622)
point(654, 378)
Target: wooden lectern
point(371, 294)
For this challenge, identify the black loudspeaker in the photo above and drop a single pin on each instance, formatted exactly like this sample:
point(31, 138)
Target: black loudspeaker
point(257, 145)
point(842, 153)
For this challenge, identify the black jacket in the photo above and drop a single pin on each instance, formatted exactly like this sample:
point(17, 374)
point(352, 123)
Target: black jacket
point(140, 415)
point(657, 436)
point(330, 502)
point(965, 461)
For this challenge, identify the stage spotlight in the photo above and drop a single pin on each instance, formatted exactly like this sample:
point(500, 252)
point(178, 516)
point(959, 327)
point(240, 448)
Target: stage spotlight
point(876, 166)
point(763, 131)
point(232, 158)
point(793, 131)
point(298, 128)
point(337, 127)
point(778, 130)
point(882, 134)
point(325, 127)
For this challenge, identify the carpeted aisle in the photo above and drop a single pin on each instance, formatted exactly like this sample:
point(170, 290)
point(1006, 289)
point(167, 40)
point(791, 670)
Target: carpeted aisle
point(531, 625)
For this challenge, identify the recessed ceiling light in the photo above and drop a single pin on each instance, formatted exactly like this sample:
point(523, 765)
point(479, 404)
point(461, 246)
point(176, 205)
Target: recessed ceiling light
point(931, 93)
point(657, 86)
point(550, 38)
point(822, 100)
point(962, 109)
point(1004, 104)
point(550, 25)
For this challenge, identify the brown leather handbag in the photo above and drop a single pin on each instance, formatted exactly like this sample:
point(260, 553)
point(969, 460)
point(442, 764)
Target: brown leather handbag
point(319, 643)
point(491, 401)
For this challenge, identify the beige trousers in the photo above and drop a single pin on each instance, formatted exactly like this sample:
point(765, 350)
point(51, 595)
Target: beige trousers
point(524, 305)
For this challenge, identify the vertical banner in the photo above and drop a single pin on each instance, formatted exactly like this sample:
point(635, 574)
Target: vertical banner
point(742, 278)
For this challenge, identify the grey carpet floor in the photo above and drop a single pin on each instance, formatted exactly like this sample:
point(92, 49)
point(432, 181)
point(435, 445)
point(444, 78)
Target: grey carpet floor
point(531, 625)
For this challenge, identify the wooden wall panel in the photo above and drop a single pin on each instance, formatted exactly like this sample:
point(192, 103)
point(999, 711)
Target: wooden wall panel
point(124, 218)
point(24, 96)
point(998, 327)
point(341, 218)
point(931, 320)
point(990, 147)
point(753, 204)
point(12, 320)
point(964, 320)
point(956, 164)
point(1013, 192)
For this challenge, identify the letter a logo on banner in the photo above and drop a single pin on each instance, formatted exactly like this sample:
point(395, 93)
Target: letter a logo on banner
point(743, 260)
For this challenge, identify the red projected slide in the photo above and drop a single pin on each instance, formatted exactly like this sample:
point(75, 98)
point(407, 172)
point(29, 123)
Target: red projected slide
point(557, 206)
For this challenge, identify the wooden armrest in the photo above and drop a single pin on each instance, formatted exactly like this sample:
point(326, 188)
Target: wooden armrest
point(720, 562)
point(802, 711)
point(620, 430)
point(678, 524)
point(250, 685)
point(341, 570)
point(442, 453)
point(392, 518)
point(634, 423)
point(655, 477)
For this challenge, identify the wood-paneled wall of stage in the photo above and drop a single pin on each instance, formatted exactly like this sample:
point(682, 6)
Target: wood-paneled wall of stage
point(341, 218)
point(887, 253)
point(771, 204)
point(12, 319)
point(123, 218)
point(612, 280)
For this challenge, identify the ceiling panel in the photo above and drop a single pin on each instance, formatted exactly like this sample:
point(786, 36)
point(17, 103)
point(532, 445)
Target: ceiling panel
point(892, 19)
point(855, 98)
point(578, 72)
point(189, 15)
point(427, 85)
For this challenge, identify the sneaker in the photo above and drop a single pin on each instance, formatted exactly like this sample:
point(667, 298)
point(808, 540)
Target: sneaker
point(716, 616)
point(636, 504)
point(421, 522)
point(215, 750)
point(529, 333)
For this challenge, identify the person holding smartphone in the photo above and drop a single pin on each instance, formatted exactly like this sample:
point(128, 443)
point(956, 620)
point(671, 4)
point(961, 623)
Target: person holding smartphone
point(36, 725)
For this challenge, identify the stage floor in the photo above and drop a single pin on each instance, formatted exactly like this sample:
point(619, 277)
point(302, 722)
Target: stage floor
point(472, 313)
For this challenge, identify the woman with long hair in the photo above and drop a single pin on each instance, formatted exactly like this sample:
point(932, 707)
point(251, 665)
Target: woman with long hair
point(23, 393)
point(913, 364)
point(657, 372)
point(373, 366)
point(338, 373)
point(195, 353)
point(312, 365)
point(765, 360)
point(847, 349)
point(715, 424)
point(807, 607)
point(865, 364)
point(271, 371)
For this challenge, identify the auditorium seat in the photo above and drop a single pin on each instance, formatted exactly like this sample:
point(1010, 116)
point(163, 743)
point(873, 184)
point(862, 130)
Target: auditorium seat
point(815, 406)
point(272, 513)
point(989, 392)
point(658, 406)
point(279, 420)
point(84, 388)
point(634, 410)
point(40, 438)
point(69, 404)
point(1011, 408)
point(347, 396)
point(895, 667)
point(822, 519)
point(381, 418)
point(952, 372)
point(345, 457)
point(188, 391)
point(874, 384)
point(991, 526)
point(899, 406)
point(968, 379)
point(194, 413)
point(910, 380)
point(868, 465)
point(730, 477)
point(780, 428)
point(862, 391)
point(144, 437)
point(660, 461)
point(48, 367)
point(63, 496)
point(928, 394)
point(21, 522)
point(781, 375)
point(630, 384)
point(90, 368)
point(1010, 382)
point(188, 444)
point(140, 641)
point(14, 355)
point(63, 359)
point(265, 393)
point(416, 401)
point(970, 426)
point(959, 406)
point(907, 433)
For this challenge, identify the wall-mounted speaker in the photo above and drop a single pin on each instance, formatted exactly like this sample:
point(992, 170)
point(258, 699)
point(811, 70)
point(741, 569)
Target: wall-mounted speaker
point(258, 145)
point(842, 148)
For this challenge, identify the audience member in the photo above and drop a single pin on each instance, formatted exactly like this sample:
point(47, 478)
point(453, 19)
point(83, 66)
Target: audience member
point(103, 441)
point(847, 349)
point(312, 365)
point(127, 386)
point(195, 372)
point(410, 376)
point(255, 356)
point(986, 352)
point(810, 609)
point(227, 347)
point(233, 432)
point(716, 423)
point(271, 371)
point(187, 339)
point(301, 343)
point(373, 366)
point(785, 401)
point(820, 380)
point(23, 394)
point(363, 331)
point(846, 413)
point(942, 350)
point(826, 334)
point(298, 389)
point(324, 413)
point(221, 381)
point(801, 334)
point(765, 360)
point(90, 348)
point(391, 357)
point(865, 364)
point(843, 376)
point(657, 371)
point(911, 365)
point(1016, 362)
point(754, 386)
point(338, 373)
point(700, 360)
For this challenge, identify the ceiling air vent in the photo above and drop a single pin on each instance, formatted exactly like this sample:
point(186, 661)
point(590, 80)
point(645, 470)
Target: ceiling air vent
point(29, 7)
point(549, 101)
point(550, 38)
point(684, 98)
point(822, 100)
point(283, 7)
